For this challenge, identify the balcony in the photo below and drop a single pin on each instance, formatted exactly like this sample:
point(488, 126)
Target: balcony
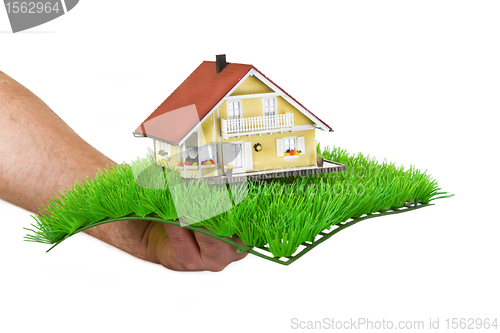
point(256, 125)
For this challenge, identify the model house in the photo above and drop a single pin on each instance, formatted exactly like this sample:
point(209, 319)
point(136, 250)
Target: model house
point(230, 118)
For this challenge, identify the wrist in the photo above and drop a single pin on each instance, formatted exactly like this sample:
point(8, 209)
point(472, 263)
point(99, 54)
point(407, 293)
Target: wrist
point(128, 236)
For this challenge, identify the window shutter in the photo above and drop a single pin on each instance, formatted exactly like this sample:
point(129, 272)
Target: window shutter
point(301, 144)
point(248, 156)
point(280, 149)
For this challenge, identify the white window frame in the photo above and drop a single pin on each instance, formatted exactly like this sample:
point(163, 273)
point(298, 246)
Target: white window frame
point(275, 105)
point(289, 138)
point(166, 147)
point(239, 101)
point(242, 169)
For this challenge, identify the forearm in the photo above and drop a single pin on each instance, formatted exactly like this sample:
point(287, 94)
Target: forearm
point(41, 155)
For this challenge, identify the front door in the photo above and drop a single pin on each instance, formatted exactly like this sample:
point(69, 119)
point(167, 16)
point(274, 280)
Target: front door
point(233, 154)
point(237, 157)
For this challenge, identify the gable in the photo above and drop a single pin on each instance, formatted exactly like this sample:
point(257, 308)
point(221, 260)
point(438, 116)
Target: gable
point(202, 92)
point(299, 118)
point(320, 123)
point(251, 85)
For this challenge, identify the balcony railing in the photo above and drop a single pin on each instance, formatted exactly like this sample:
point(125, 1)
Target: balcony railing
point(256, 124)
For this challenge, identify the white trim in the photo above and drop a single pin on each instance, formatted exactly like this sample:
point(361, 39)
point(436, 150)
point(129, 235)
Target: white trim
point(289, 137)
point(165, 147)
point(198, 149)
point(219, 153)
point(215, 142)
point(234, 88)
point(154, 147)
point(252, 96)
point(278, 130)
point(290, 100)
point(301, 144)
point(275, 98)
point(248, 155)
point(277, 91)
point(240, 102)
point(216, 107)
point(270, 132)
point(207, 166)
point(183, 158)
point(162, 158)
point(242, 169)
point(280, 148)
point(303, 128)
point(194, 129)
point(254, 124)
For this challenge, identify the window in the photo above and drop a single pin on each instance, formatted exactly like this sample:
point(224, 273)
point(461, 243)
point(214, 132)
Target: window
point(191, 154)
point(233, 109)
point(237, 155)
point(206, 153)
point(164, 146)
point(269, 106)
point(165, 150)
point(289, 143)
point(286, 145)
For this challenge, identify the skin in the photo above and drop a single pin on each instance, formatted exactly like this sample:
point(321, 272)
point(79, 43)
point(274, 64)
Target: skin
point(44, 155)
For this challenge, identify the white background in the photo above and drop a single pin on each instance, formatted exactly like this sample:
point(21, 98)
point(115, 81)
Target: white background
point(414, 82)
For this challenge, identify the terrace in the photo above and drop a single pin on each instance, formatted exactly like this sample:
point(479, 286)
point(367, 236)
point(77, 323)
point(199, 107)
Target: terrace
point(256, 125)
point(328, 166)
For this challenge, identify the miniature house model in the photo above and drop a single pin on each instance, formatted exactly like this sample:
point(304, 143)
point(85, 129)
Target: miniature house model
point(229, 119)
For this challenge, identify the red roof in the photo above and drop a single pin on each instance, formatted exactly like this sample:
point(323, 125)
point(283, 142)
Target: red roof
point(192, 101)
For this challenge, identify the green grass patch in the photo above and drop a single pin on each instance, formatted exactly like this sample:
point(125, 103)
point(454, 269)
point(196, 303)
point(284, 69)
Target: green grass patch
point(280, 214)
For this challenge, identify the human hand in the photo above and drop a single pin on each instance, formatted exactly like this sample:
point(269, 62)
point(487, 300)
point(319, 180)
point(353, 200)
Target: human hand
point(174, 247)
point(46, 155)
point(181, 249)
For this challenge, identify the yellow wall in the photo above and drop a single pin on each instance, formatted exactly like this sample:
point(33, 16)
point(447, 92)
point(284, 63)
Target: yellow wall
point(207, 131)
point(299, 118)
point(267, 159)
point(263, 160)
point(252, 107)
point(206, 138)
point(223, 110)
point(205, 172)
point(251, 85)
point(175, 156)
point(173, 161)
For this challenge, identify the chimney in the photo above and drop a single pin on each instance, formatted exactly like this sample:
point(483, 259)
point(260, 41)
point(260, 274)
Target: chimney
point(220, 62)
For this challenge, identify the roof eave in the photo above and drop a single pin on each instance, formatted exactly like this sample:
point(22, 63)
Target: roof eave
point(142, 135)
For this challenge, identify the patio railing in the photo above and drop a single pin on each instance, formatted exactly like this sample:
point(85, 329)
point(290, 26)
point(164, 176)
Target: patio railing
point(256, 124)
